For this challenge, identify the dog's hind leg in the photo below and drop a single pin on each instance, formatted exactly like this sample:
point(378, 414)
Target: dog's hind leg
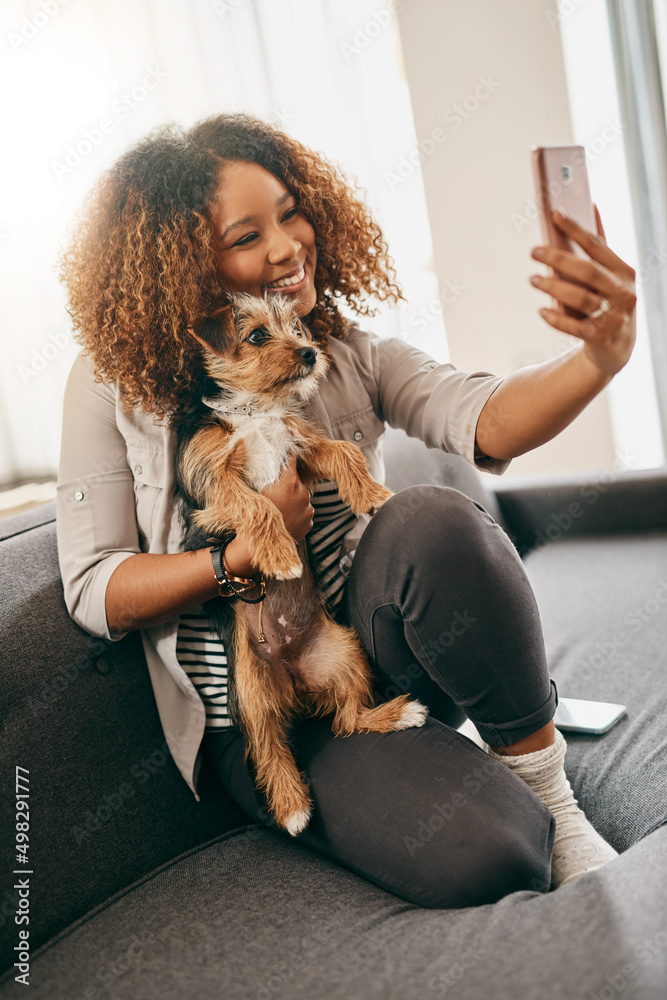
point(338, 666)
point(266, 700)
point(399, 713)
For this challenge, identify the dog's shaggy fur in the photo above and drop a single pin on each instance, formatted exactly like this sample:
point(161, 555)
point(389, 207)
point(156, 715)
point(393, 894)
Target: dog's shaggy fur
point(263, 367)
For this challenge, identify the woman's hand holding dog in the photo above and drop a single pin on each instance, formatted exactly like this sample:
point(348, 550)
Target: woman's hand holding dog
point(292, 498)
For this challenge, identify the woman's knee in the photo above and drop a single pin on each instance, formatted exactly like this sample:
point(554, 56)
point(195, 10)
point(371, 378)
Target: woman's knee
point(437, 526)
point(426, 510)
point(417, 500)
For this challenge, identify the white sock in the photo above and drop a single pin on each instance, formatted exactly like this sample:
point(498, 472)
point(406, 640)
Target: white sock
point(578, 848)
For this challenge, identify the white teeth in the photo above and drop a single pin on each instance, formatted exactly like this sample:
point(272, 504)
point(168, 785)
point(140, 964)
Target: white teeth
point(285, 282)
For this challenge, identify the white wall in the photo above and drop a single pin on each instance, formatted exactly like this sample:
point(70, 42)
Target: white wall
point(502, 64)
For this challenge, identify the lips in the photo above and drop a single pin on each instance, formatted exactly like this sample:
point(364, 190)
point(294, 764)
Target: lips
point(295, 280)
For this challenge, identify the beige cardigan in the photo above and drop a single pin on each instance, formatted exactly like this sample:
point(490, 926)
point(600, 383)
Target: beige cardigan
point(115, 491)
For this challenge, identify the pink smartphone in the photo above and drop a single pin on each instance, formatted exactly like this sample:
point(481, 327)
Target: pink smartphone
point(561, 181)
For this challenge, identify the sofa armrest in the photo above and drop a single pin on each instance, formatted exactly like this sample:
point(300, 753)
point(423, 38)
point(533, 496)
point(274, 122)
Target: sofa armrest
point(537, 510)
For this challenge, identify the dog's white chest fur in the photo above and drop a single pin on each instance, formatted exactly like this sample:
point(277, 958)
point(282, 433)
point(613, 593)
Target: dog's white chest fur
point(268, 443)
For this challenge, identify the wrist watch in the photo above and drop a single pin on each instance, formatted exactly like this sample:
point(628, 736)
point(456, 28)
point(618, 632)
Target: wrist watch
point(228, 585)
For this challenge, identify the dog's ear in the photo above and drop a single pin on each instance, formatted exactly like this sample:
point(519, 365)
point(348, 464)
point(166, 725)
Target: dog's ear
point(217, 331)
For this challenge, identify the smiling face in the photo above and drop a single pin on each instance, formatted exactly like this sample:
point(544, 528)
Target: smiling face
point(265, 244)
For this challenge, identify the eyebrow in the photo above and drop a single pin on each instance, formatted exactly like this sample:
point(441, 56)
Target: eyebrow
point(251, 218)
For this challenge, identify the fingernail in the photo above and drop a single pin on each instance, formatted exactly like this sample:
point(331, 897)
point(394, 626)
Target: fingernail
point(535, 279)
point(538, 254)
point(561, 213)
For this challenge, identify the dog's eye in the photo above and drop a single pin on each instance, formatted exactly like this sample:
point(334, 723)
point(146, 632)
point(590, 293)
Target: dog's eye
point(257, 336)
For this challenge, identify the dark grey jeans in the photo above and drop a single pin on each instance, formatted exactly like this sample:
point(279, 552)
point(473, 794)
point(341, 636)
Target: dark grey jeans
point(444, 610)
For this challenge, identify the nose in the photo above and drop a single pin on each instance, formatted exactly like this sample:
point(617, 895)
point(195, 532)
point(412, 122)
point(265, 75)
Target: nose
point(308, 355)
point(282, 247)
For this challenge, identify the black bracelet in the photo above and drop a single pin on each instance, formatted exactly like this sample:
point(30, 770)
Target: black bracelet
point(223, 579)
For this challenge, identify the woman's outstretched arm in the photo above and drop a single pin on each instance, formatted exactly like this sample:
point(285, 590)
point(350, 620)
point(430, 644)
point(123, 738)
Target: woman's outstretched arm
point(536, 403)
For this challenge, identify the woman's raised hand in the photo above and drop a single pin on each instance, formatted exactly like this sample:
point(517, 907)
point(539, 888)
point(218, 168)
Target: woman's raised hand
point(610, 336)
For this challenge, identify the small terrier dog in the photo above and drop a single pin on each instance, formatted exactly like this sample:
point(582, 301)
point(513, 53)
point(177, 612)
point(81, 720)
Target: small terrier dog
point(263, 366)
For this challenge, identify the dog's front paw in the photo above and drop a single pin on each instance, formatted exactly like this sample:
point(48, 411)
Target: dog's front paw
point(369, 498)
point(292, 572)
point(280, 561)
point(378, 497)
point(282, 569)
point(414, 714)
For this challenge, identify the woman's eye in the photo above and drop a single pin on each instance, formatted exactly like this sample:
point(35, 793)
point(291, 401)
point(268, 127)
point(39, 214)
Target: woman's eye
point(246, 239)
point(251, 237)
point(256, 337)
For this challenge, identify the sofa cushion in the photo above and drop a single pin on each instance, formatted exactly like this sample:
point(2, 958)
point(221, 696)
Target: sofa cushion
point(259, 915)
point(107, 801)
point(603, 604)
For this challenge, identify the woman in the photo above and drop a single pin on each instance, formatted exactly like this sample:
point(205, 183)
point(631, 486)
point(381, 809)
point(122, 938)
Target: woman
point(432, 585)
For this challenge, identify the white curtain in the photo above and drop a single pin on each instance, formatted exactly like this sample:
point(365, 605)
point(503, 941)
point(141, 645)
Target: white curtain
point(633, 393)
point(83, 79)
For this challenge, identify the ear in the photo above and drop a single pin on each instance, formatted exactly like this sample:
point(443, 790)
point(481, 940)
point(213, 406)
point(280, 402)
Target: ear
point(217, 331)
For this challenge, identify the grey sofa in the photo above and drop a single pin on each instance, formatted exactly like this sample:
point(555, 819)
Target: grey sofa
point(138, 891)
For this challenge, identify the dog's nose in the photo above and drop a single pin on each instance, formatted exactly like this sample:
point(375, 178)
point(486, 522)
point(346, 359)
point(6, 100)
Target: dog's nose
point(307, 354)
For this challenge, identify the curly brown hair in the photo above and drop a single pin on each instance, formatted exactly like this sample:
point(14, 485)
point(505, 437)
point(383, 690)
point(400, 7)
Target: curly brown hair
point(141, 263)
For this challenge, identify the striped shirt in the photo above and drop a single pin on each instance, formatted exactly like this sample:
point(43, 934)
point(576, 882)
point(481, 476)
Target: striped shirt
point(199, 648)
